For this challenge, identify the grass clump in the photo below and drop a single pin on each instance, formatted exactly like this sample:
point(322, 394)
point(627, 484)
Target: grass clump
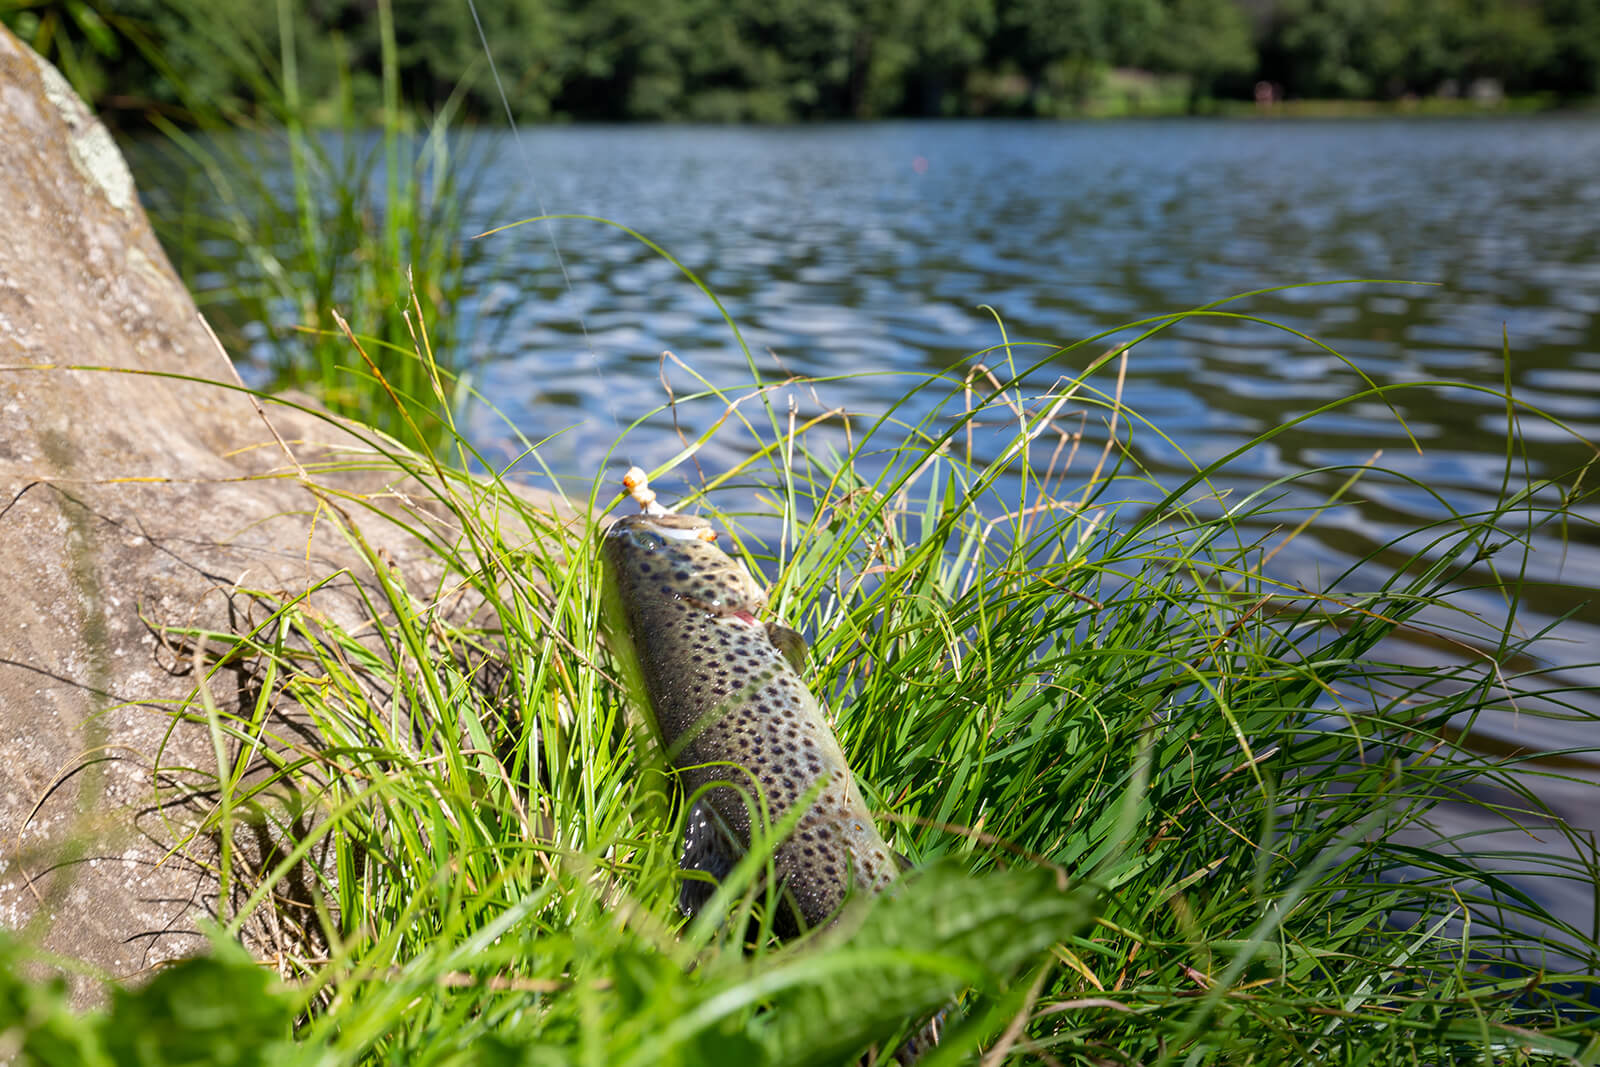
point(367, 218)
point(1166, 808)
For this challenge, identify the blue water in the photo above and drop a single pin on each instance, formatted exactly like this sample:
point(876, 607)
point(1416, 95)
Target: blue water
point(872, 248)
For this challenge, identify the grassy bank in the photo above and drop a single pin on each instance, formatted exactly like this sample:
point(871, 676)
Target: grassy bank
point(1166, 809)
point(1423, 106)
point(1119, 92)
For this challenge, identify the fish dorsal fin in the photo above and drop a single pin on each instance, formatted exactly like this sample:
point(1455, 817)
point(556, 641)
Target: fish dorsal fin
point(790, 643)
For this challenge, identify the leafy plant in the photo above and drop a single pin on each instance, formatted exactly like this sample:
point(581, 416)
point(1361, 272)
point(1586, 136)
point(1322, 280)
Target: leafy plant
point(221, 1010)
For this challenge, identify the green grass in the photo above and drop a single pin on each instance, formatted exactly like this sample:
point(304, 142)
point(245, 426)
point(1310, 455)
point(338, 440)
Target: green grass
point(369, 224)
point(1048, 668)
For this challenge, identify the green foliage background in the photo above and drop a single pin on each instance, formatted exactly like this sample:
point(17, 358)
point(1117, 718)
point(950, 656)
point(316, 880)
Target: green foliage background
point(782, 60)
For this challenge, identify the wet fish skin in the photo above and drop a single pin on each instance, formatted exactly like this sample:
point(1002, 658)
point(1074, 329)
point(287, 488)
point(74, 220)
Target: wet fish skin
point(735, 717)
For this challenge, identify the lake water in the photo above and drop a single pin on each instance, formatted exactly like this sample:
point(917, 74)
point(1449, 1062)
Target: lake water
point(871, 248)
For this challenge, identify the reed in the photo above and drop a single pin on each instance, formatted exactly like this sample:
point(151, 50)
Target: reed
point(366, 219)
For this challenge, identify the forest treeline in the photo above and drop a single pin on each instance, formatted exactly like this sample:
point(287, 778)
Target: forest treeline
point(780, 60)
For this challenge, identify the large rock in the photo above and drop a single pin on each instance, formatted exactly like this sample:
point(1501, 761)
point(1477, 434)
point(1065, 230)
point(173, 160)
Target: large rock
point(130, 503)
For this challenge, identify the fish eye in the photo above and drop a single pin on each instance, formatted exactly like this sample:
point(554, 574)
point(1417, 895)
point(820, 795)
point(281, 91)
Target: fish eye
point(643, 540)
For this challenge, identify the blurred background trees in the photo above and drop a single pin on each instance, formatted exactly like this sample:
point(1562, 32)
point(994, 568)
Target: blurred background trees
point(1388, 48)
point(778, 60)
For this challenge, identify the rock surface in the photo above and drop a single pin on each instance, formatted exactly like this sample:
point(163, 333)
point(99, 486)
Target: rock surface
point(130, 503)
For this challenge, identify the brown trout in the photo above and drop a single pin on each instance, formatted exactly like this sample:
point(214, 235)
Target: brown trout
point(735, 717)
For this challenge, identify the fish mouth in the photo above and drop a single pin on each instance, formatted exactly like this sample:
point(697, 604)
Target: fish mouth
point(659, 529)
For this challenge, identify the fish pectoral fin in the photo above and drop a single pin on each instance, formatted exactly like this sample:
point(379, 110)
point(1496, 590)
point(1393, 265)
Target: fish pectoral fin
point(790, 643)
point(926, 1037)
point(708, 847)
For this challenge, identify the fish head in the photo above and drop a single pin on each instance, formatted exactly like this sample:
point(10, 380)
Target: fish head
point(675, 557)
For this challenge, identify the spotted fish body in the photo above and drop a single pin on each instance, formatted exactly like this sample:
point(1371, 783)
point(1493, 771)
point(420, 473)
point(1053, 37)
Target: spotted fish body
point(736, 720)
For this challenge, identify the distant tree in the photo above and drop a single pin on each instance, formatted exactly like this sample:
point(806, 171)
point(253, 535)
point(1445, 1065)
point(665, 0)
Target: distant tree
point(1508, 40)
point(1573, 64)
point(626, 60)
point(1205, 39)
point(1359, 48)
point(914, 55)
point(702, 59)
point(1314, 46)
point(438, 48)
point(1416, 46)
point(1069, 41)
point(811, 44)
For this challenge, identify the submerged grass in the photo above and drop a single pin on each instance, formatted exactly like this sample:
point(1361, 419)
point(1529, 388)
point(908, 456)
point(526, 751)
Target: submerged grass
point(1165, 807)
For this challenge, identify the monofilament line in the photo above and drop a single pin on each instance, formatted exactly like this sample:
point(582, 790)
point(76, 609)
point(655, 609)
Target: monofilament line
point(538, 199)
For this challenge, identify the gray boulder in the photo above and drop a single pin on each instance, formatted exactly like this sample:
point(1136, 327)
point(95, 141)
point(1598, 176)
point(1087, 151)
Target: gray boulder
point(141, 496)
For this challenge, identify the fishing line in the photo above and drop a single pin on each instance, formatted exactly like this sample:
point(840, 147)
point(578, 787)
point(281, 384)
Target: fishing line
point(549, 227)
